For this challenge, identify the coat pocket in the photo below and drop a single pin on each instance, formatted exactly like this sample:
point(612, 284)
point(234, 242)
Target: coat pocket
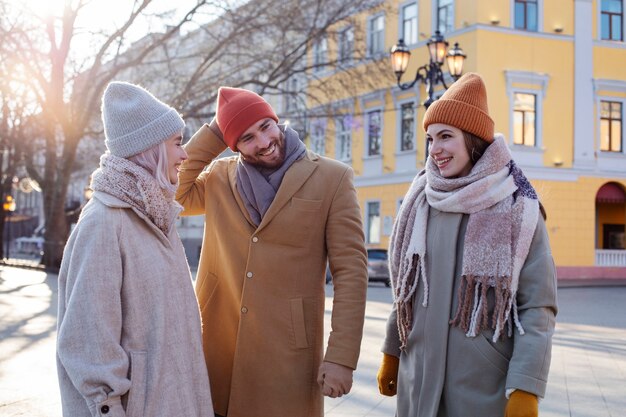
point(306, 205)
point(490, 353)
point(297, 322)
point(138, 385)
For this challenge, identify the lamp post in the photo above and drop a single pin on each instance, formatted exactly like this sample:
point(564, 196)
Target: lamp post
point(9, 207)
point(430, 74)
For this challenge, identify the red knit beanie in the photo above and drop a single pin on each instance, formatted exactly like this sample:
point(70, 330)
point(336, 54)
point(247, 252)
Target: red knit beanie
point(237, 110)
point(464, 106)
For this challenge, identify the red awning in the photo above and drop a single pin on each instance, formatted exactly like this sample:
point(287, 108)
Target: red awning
point(611, 193)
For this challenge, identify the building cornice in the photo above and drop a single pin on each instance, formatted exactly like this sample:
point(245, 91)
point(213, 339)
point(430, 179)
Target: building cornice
point(616, 86)
point(532, 173)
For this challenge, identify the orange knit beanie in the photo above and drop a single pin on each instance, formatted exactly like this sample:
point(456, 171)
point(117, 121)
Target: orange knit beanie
point(464, 106)
point(237, 110)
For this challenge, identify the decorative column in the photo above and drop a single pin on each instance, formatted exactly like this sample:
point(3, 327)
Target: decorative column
point(584, 153)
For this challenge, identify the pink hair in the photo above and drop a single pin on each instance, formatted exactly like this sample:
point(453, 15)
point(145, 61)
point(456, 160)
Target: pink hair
point(154, 160)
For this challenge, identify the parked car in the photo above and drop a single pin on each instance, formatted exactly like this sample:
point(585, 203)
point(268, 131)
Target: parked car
point(377, 269)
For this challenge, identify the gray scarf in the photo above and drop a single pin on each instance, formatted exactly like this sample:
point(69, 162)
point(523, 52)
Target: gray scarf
point(503, 211)
point(258, 186)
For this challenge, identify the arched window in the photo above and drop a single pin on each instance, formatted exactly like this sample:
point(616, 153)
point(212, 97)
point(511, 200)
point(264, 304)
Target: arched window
point(611, 216)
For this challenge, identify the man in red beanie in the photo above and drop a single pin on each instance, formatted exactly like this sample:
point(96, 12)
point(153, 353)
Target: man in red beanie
point(275, 215)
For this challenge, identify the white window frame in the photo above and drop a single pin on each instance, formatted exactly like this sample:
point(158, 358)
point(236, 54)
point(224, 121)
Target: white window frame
point(371, 53)
point(291, 95)
point(622, 101)
point(372, 101)
point(610, 161)
point(320, 54)
point(346, 133)
point(318, 141)
point(399, 149)
point(539, 16)
point(435, 16)
point(538, 83)
point(342, 58)
point(599, 20)
point(535, 139)
point(368, 225)
point(367, 132)
point(401, 34)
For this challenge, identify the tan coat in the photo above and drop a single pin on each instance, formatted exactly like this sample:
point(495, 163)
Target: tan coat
point(442, 372)
point(261, 289)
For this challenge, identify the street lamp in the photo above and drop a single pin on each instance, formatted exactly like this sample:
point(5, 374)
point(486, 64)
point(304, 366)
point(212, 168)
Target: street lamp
point(429, 74)
point(9, 207)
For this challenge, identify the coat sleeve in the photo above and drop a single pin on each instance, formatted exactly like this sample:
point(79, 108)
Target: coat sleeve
point(90, 326)
point(204, 147)
point(348, 264)
point(391, 345)
point(537, 307)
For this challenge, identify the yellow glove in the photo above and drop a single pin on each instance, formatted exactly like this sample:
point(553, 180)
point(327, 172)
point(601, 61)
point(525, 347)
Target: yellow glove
point(388, 375)
point(522, 404)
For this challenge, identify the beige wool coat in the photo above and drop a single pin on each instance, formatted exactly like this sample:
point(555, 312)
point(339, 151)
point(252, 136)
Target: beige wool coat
point(261, 289)
point(444, 373)
point(129, 339)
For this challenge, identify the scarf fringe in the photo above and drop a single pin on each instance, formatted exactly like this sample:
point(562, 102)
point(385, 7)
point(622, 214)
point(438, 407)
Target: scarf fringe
point(413, 266)
point(472, 314)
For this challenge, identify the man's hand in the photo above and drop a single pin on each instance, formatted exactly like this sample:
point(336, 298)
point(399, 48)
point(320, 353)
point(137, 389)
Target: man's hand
point(335, 379)
point(216, 129)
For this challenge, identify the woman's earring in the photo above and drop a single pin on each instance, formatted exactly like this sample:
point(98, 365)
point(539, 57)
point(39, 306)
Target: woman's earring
point(474, 158)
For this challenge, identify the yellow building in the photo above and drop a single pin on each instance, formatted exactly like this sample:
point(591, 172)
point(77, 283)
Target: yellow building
point(555, 72)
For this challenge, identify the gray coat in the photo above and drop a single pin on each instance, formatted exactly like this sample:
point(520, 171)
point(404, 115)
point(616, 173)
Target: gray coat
point(443, 372)
point(129, 338)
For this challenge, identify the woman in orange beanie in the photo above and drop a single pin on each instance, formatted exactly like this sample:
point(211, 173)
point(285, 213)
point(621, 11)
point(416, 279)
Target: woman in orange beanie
point(473, 278)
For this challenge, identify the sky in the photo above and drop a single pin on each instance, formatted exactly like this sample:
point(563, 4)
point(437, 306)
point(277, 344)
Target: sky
point(108, 15)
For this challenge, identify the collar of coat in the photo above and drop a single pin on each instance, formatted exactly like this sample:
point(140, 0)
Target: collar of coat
point(294, 178)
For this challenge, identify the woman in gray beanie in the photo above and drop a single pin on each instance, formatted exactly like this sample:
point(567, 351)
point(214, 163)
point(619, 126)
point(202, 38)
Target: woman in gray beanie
point(129, 338)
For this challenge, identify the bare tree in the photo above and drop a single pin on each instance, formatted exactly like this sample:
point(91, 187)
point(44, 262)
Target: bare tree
point(263, 45)
point(259, 44)
point(67, 93)
point(15, 119)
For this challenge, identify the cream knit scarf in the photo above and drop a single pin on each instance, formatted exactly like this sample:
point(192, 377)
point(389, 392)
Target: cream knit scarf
point(134, 185)
point(503, 211)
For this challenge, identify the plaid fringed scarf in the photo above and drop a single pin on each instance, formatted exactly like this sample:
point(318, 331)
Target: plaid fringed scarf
point(503, 209)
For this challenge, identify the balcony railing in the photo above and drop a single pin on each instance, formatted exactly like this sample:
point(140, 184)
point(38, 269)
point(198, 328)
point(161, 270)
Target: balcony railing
point(610, 257)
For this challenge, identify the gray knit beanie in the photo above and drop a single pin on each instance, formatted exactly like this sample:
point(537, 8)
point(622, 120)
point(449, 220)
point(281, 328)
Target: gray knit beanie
point(134, 120)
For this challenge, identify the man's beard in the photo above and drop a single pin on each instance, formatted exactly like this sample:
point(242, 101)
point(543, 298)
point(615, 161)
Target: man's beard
point(281, 148)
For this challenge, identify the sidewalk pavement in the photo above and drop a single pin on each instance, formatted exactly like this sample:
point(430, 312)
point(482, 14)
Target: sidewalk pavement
point(587, 376)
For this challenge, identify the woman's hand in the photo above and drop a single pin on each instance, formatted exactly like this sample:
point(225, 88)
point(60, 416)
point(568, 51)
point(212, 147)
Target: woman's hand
point(522, 404)
point(388, 375)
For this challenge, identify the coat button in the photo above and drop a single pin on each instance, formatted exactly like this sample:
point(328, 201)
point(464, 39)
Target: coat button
point(104, 409)
point(255, 239)
point(244, 310)
point(249, 274)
